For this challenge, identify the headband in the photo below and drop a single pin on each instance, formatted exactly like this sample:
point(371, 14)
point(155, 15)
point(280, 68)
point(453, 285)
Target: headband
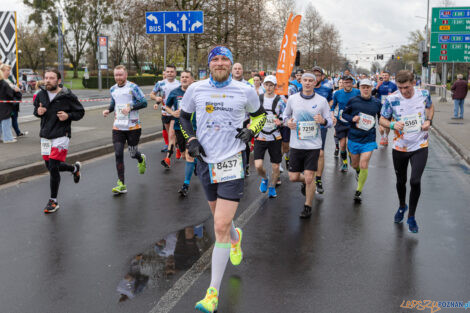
point(309, 75)
point(219, 50)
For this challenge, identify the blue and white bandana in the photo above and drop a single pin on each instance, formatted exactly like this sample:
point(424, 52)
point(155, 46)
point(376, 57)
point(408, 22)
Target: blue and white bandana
point(220, 50)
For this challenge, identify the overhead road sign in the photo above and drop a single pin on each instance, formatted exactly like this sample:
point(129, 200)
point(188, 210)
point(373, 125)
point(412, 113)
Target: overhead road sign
point(174, 22)
point(450, 35)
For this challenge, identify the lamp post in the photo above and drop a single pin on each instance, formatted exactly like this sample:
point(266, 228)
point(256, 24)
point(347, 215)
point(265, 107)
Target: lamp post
point(43, 50)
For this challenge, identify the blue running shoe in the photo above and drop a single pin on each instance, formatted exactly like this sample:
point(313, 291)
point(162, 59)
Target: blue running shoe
point(412, 226)
point(400, 214)
point(272, 192)
point(263, 187)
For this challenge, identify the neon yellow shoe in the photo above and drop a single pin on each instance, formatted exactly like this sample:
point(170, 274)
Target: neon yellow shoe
point(120, 188)
point(142, 165)
point(236, 253)
point(210, 302)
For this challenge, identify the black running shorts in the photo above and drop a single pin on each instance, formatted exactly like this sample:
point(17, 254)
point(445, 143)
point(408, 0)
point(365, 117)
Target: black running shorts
point(230, 190)
point(300, 160)
point(132, 137)
point(274, 148)
point(341, 130)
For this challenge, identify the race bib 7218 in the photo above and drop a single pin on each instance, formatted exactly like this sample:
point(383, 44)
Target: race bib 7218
point(307, 130)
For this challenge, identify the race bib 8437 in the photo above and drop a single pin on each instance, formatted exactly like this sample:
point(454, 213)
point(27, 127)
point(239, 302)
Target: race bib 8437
point(227, 170)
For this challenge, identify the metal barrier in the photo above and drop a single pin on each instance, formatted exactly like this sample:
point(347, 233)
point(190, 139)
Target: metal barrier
point(440, 90)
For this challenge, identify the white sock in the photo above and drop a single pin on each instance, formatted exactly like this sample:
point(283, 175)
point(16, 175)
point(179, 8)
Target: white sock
point(220, 256)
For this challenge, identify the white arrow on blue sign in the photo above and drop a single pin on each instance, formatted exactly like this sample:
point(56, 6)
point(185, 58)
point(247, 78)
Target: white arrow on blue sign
point(174, 22)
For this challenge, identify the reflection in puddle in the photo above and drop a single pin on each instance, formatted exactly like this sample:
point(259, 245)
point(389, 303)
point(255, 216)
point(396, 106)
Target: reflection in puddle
point(164, 261)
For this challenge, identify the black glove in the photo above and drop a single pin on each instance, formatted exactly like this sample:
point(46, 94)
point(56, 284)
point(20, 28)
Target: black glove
point(245, 134)
point(195, 149)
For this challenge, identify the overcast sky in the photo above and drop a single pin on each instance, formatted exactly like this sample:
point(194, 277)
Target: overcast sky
point(365, 26)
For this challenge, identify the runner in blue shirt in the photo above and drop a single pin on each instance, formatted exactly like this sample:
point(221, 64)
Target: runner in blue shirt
point(174, 109)
point(323, 89)
point(362, 112)
point(340, 99)
point(384, 88)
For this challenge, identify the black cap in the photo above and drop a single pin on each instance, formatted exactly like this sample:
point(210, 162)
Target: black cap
point(299, 71)
point(347, 77)
point(318, 69)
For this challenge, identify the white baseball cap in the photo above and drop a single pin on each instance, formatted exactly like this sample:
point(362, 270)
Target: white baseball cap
point(366, 82)
point(270, 79)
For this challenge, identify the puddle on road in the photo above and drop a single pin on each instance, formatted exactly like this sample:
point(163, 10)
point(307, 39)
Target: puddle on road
point(165, 261)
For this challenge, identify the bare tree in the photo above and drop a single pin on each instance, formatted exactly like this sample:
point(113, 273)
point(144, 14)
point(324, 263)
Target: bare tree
point(308, 35)
point(29, 42)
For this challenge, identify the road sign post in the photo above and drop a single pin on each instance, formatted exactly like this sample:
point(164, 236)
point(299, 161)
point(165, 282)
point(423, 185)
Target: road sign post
point(450, 38)
point(450, 35)
point(102, 57)
point(174, 22)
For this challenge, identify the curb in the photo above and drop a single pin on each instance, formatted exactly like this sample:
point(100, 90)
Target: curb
point(17, 173)
point(461, 151)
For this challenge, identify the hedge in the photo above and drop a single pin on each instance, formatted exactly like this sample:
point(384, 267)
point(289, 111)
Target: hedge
point(92, 82)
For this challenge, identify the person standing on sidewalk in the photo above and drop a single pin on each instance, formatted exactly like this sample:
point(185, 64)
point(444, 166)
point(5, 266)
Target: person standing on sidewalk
point(459, 92)
point(126, 100)
point(6, 70)
point(57, 108)
point(6, 108)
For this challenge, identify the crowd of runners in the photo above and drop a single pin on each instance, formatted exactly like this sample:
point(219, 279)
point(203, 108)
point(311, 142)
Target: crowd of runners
point(217, 124)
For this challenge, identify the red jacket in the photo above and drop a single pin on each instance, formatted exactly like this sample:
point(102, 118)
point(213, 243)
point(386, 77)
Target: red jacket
point(459, 89)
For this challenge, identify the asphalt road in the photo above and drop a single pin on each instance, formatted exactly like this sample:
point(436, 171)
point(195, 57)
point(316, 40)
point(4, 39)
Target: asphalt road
point(346, 258)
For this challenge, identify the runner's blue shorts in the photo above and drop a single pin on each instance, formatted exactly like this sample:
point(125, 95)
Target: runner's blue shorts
point(358, 148)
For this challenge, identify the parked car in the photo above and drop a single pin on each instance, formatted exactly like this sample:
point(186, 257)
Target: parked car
point(22, 71)
point(31, 82)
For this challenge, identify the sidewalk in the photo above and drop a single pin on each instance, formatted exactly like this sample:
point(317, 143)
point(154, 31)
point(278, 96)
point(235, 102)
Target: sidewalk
point(91, 137)
point(455, 132)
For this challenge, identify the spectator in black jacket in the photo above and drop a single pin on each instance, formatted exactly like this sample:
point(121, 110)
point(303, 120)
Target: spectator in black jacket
point(6, 70)
point(6, 108)
point(57, 107)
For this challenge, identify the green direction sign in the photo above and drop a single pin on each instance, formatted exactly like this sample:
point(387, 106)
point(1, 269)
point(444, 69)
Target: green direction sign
point(450, 35)
point(450, 48)
point(450, 20)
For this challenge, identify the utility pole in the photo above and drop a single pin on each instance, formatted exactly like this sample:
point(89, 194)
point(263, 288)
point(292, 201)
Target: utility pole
point(60, 45)
point(428, 78)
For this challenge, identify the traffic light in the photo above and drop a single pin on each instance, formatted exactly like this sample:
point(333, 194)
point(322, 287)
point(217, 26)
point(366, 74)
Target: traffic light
point(297, 58)
point(425, 58)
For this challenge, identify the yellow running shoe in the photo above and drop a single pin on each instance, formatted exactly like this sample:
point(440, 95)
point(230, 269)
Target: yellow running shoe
point(210, 302)
point(236, 253)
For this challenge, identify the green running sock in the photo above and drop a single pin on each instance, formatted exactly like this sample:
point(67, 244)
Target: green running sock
point(362, 179)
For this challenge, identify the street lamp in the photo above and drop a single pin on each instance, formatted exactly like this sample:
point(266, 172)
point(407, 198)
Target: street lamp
point(43, 50)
